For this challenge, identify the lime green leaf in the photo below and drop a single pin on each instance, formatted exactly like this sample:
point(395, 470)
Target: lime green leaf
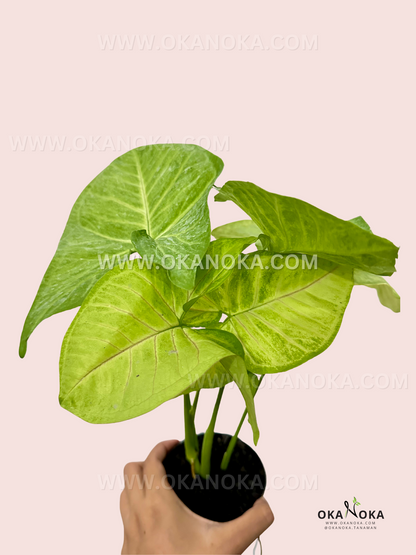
point(388, 297)
point(178, 247)
point(233, 230)
point(263, 243)
point(125, 352)
point(219, 260)
point(157, 189)
point(216, 376)
point(236, 367)
point(254, 382)
point(232, 369)
point(361, 223)
point(241, 228)
point(296, 226)
point(216, 265)
point(283, 317)
point(201, 313)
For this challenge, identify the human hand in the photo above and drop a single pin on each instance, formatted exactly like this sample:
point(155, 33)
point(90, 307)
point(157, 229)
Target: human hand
point(156, 521)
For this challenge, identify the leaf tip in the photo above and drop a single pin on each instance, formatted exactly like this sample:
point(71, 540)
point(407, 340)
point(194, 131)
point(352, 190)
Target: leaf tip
point(22, 348)
point(255, 429)
point(63, 402)
point(219, 197)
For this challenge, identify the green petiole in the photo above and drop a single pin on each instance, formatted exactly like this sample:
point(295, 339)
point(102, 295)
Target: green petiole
point(227, 455)
point(191, 439)
point(209, 437)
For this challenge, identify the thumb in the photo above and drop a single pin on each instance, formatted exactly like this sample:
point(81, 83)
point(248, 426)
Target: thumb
point(153, 463)
point(241, 532)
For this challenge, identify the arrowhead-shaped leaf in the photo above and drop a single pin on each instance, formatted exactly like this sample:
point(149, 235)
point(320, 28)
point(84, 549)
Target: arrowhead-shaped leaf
point(217, 264)
point(232, 369)
point(388, 297)
point(296, 226)
point(237, 369)
point(160, 190)
point(125, 353)
point(241, 228)
point(203, 312)
point(177, 247)
point(282, 317)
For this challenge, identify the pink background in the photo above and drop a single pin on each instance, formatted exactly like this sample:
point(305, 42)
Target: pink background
point(333, 126)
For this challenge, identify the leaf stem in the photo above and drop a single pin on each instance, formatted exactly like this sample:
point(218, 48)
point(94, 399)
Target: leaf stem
point(209, 438)
point(227, 455)
point(195, 404)
point(191, 439)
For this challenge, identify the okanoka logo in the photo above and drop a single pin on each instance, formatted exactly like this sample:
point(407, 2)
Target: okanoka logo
point(351, 510)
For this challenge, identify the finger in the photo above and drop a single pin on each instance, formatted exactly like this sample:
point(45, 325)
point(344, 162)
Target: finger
point(159, 452)
point(153, 463)
point(238, 534)
point(132, 469)
point(133, 472)
point(124, 505)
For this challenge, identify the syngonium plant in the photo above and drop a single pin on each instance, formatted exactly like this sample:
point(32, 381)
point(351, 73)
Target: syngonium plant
point(175, 321)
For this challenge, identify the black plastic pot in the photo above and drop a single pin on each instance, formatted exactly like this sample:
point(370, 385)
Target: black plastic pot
point(224, 495)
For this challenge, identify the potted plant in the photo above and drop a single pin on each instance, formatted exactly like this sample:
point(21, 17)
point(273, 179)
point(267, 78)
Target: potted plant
point(189, 313)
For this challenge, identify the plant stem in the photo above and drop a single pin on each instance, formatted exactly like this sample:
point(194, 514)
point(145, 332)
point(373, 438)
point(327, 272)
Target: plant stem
point(209, 438)
point(195, 404)
point(191, 439)
point(227, 455)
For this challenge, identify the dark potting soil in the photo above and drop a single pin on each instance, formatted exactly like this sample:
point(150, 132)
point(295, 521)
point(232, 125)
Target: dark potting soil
point(225, 495)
